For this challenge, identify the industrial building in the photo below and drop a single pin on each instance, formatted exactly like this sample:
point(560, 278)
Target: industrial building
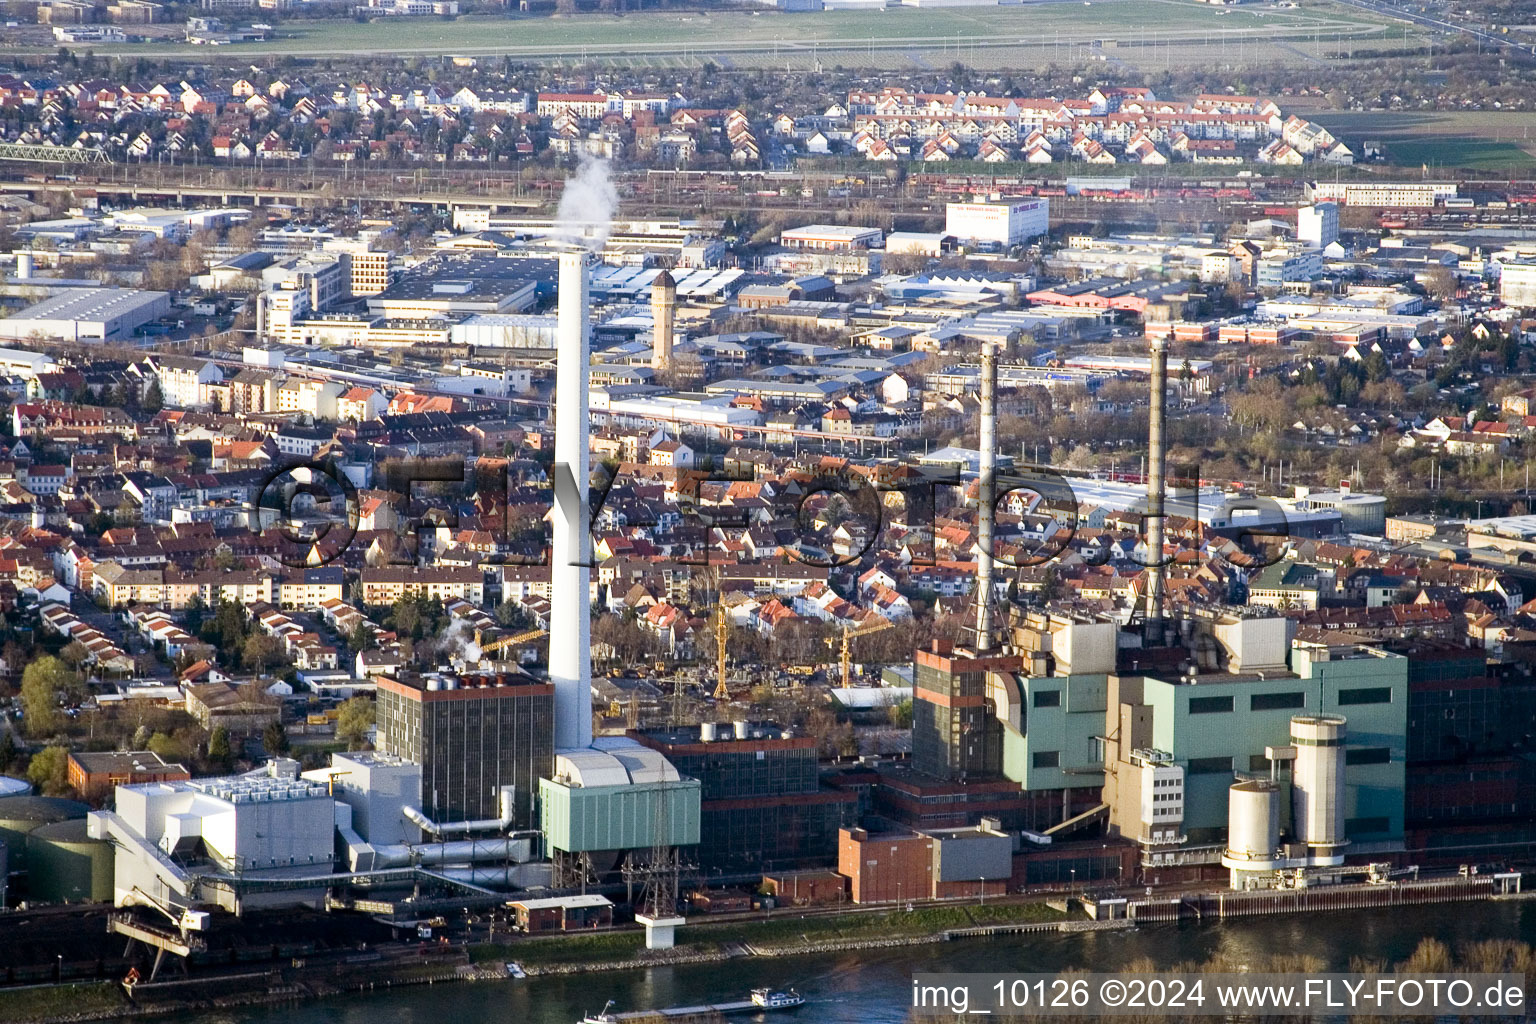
point(613, 798)
point(1027, 718)
point(209, 840)
point(1012, 222)
point(831, 237)
point(562, 913)
point(505, 330)
point(763, 804)
point(903, 864)
point(1318, 225)
point(1190, 735)
point(87, 314)
point(96, 774)
point(1517, 284)
point(471, 735)
point(1358, 512)
point(457, 286)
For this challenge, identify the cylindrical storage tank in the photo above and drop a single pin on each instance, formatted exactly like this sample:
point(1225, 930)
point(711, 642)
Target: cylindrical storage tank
point(64, 865)
point(1253, 820)
point(706, 732)
point(1364, 513)
point(23, 265)
point(1317, 786)
point(21, 815)
point(14, 787)
point(741, 730)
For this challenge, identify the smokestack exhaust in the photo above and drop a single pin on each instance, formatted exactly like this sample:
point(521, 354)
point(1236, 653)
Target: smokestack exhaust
point(1156, 489)
point(986, 496)
point(570, 626)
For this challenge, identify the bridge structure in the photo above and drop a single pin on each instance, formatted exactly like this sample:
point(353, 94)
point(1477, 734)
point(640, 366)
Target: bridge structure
point(31, 153)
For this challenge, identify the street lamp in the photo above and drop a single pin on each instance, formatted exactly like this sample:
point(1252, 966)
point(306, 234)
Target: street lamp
point(1072, 888)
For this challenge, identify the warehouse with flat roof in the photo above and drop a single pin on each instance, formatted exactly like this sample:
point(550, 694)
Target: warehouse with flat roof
point(87, 314)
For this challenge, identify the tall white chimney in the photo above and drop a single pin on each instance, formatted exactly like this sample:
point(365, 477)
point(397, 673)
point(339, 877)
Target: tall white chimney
point(986, 496)
point(570, 626)
point(1156, 488)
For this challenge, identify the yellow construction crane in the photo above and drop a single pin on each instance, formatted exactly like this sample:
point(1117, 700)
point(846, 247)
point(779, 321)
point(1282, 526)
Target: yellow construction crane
point(722, 636)
point(845, 656)
point(515, 640)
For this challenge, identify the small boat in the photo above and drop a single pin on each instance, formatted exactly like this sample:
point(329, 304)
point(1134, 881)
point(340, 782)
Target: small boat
point(771, 999)
point(601, 1018)
point(515, 970)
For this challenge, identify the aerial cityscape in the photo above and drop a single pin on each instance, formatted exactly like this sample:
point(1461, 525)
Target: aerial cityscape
point(693, 511)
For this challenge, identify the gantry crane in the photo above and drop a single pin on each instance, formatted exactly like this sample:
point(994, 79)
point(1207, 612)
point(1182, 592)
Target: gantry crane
point(845, 656)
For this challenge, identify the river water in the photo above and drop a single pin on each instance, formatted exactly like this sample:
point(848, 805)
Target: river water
point(873, 986)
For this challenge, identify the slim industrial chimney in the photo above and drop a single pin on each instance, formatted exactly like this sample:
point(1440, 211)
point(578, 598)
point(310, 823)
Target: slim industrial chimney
point(570, 626)
point(663, 318)
point(1156, 490)
point(986, 496)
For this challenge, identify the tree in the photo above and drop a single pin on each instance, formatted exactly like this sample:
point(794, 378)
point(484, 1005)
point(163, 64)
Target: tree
point(44, 683)
point(361, 638)
point(220, 755)
point(162, 744)
point(194, 614)
point(406, 616)
point(153, 400)
point(1051, 588)
point(260, 652)
point(353, 720)
point(275, 738)
point(228, 627)
point(49, 771)
point(511, 615)
point(74, 654)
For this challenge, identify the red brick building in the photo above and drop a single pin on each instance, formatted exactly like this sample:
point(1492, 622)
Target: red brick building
point(96, 775)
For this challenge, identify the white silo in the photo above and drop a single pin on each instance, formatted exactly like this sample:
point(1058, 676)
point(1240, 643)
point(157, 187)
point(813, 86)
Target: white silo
point(1253, 820)
point(23, 266)
point(1253, 830)
point(1317, 785)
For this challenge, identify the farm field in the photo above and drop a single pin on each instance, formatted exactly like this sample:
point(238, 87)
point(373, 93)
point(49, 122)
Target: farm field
point(1122, 31)
point(1479, 140)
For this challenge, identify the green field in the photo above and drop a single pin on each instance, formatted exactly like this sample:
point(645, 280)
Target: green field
point(948, 33)
point(47, 1002)
point(1444, 141)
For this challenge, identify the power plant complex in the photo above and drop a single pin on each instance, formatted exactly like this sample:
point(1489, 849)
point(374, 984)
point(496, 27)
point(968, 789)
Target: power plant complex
point(1046, 748)
point(483, 780)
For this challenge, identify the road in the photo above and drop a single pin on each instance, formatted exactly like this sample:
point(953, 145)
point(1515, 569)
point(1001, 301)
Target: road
point(1405, 13)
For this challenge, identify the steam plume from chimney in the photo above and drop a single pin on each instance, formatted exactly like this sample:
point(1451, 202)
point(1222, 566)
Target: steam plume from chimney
point(587, 205)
